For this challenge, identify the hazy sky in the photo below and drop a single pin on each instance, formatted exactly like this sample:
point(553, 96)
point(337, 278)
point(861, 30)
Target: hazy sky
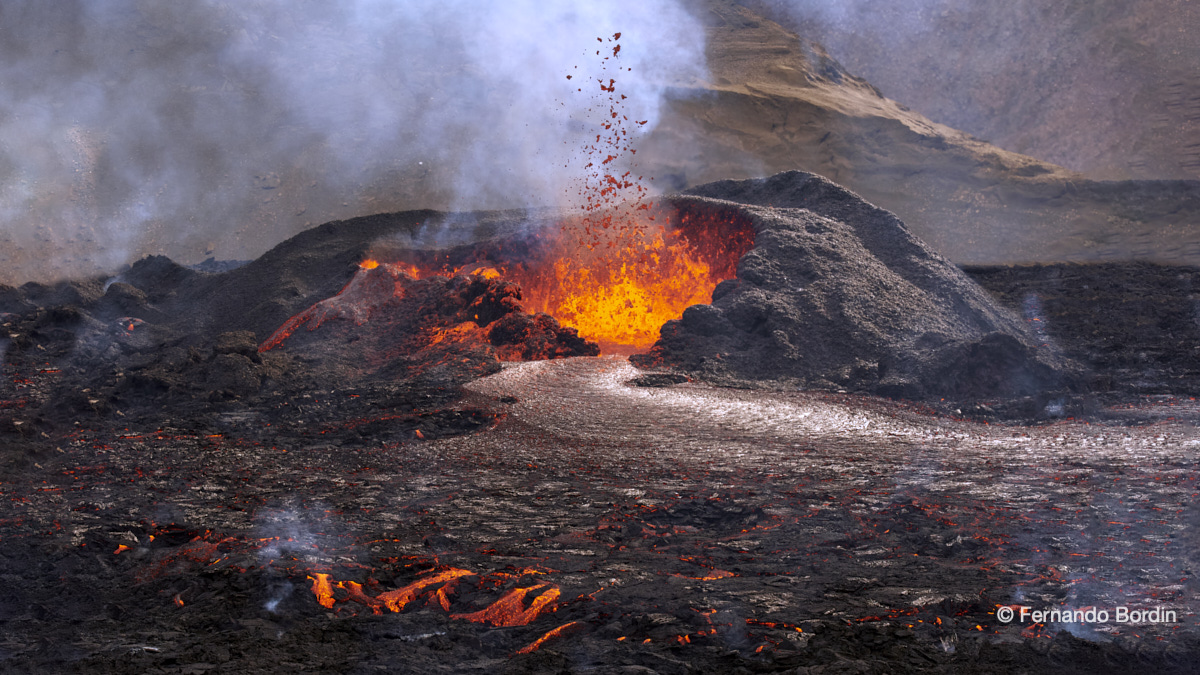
point(220, 128)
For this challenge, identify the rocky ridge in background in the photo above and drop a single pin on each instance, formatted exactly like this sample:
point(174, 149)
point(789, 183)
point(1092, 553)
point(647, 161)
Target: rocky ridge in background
point(774, 101)
point(778, 102)
point(1106, 87)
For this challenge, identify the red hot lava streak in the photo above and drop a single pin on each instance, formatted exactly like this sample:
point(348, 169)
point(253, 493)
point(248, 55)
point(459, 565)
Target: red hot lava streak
point(619, 277)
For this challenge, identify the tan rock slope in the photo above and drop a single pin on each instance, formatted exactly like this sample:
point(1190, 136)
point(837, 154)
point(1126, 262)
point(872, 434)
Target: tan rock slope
point(774, 102)
point(1107, 87)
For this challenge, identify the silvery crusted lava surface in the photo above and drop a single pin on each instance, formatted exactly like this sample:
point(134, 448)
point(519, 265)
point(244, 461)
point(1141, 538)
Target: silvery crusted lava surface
point(687, 529)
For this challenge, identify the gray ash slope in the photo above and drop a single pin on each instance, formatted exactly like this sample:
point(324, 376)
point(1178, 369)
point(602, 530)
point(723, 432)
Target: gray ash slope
point(838, 294)
point(1135, 325)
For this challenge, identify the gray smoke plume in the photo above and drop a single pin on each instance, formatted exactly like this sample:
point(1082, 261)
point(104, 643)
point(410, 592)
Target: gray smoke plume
point(220, 128)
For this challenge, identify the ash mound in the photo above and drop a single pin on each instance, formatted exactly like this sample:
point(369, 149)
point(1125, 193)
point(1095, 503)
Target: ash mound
point(838, 294)
point(817, 288)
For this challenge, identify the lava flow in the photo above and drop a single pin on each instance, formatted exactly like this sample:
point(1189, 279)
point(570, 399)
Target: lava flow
point(365, 292)
point(509, 610)
point(395, 600)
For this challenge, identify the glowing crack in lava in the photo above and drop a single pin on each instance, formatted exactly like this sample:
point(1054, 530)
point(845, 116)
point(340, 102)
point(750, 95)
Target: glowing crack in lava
point(323, 589)
point(367, 290)
point(509, 610)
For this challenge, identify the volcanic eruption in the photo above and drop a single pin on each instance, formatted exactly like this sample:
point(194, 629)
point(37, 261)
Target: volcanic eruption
point(613, 274)
point(755, 424)
point(613, 278)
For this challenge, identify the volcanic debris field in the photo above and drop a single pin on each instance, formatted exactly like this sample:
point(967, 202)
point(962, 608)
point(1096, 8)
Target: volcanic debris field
point(333, 459)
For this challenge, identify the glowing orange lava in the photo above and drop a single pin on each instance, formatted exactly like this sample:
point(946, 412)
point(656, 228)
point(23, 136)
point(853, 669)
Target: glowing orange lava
point(323, 589)
point(510, 609)
point(371, 287)
point(616, 276)
point(617, 279)
point(714, 576)
point(616, 273)
point(397, 599)
point(564, 629)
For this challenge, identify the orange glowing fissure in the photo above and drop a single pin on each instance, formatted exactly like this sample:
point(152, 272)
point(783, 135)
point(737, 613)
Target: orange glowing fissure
point(507, 611)
point(564, 629)
point(510, 609)
point(395, 600)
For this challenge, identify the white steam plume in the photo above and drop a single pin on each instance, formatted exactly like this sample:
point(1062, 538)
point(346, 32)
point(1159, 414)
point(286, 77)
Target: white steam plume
point(220, 128)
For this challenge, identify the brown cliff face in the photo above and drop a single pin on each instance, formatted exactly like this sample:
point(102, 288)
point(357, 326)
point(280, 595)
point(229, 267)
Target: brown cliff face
point(1107, 87)
point(776, 102)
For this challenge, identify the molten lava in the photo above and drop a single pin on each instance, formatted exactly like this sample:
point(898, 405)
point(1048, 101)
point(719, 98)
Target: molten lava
point(510, 609)
point(397, 599)
point(366, 291)
point(323, 589)
point(562, 630)
point(615, 276)
point(612, 276)
point(618, 278)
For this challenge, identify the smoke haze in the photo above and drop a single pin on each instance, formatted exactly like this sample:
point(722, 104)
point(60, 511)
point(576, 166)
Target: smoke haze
point(220, 128)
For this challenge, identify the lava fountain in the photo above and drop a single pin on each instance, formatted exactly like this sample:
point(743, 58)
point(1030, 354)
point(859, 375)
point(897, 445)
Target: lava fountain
point(611, 276)
point(615, 276)
point(618, 279)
